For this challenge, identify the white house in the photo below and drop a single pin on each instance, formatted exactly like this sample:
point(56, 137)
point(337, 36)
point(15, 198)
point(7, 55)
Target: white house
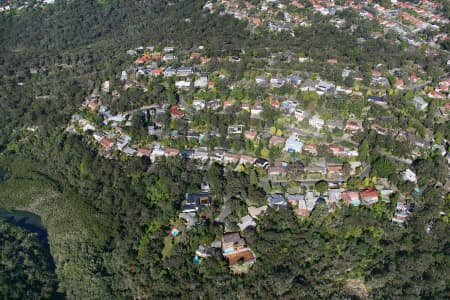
point(419, 103)
point(256, 111)
point(316, 122)
point(299, 114)
point(182, 84)
point(198, 104)
point(409, 175)
point(293, 144)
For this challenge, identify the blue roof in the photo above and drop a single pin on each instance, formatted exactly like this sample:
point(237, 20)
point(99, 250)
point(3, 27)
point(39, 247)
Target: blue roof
point(276, 199)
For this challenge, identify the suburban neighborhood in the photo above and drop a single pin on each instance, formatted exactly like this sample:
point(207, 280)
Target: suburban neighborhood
point(302, 157)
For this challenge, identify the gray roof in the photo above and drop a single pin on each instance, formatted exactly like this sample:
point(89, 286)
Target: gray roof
point(231, 237)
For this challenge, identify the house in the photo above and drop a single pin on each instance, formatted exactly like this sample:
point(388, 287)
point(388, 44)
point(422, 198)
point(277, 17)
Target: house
point(171, 152)
point(155, 129)
point(350, 152)
point(409, 175)
point(235, 250)
point(198, 104)
point(250, 134)
point(336, 150)
point(156, 56)
point(294, 79)
point(196, 201)
point(275, 103)
point(205, 59)
point(386, 194)
point(122, 142)
point(157, 71)
point(183, 84)
point(288, 106)
point(277, 140)
point(276, 200)
point(334, 195)
point(353, 125)
point(187, 153)
point(294, 199)
point(168, 49)
point(195, 55)
point(369, 196)
point(93, 104)
point(414, 78)
point(200, 154)
point(401, 214)
point(192, 135)
point(276, 171)
point(106, 143)
point(228, 103)
point(310, 148)
point(335, 170)
point(351, 197)
point(235, 129)
point(168, 57)
point(436, 95)
point(379, 129)
point(306, 205)
point(380, 100)
point(117, 118)
point(343, 90)
point(242, 257)
point(231, 158)
point(245, 106)
point(246, 221)
point(129, 151)
point(86, 125)
point(98, 136)
point(184, 71)
point(142, 59)
point(399, 84)
point(277, 82)
point(256, 111)
point(300, 114)
point(217, 155)
point(260, 80)
point(419, 103)
point(316, 168)
point(245, 159)
point(170, 72)
point(325, 88)
point(202, 82)
point(293, 144)
point(232, 242)
point(143, 152)
point(262, 163)
point(214, 104)
point(316, 122)
point(308, 86)
point(175, 113)
point(333, 124)
point(256, 211)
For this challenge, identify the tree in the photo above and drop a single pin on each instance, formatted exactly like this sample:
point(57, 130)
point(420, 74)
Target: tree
point(363, 151)
point(321, 186)
point(296, 168)
point(383, 167)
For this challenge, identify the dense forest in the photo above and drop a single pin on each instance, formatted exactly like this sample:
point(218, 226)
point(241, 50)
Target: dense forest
point(325, 255)
point(26, 269)
point(108, 220)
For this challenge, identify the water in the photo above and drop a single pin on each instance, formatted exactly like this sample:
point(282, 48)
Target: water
point(30, 222)
point(3, 175)
point(26, 220)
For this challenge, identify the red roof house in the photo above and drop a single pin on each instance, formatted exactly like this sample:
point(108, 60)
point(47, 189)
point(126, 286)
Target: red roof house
point(369, 195)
